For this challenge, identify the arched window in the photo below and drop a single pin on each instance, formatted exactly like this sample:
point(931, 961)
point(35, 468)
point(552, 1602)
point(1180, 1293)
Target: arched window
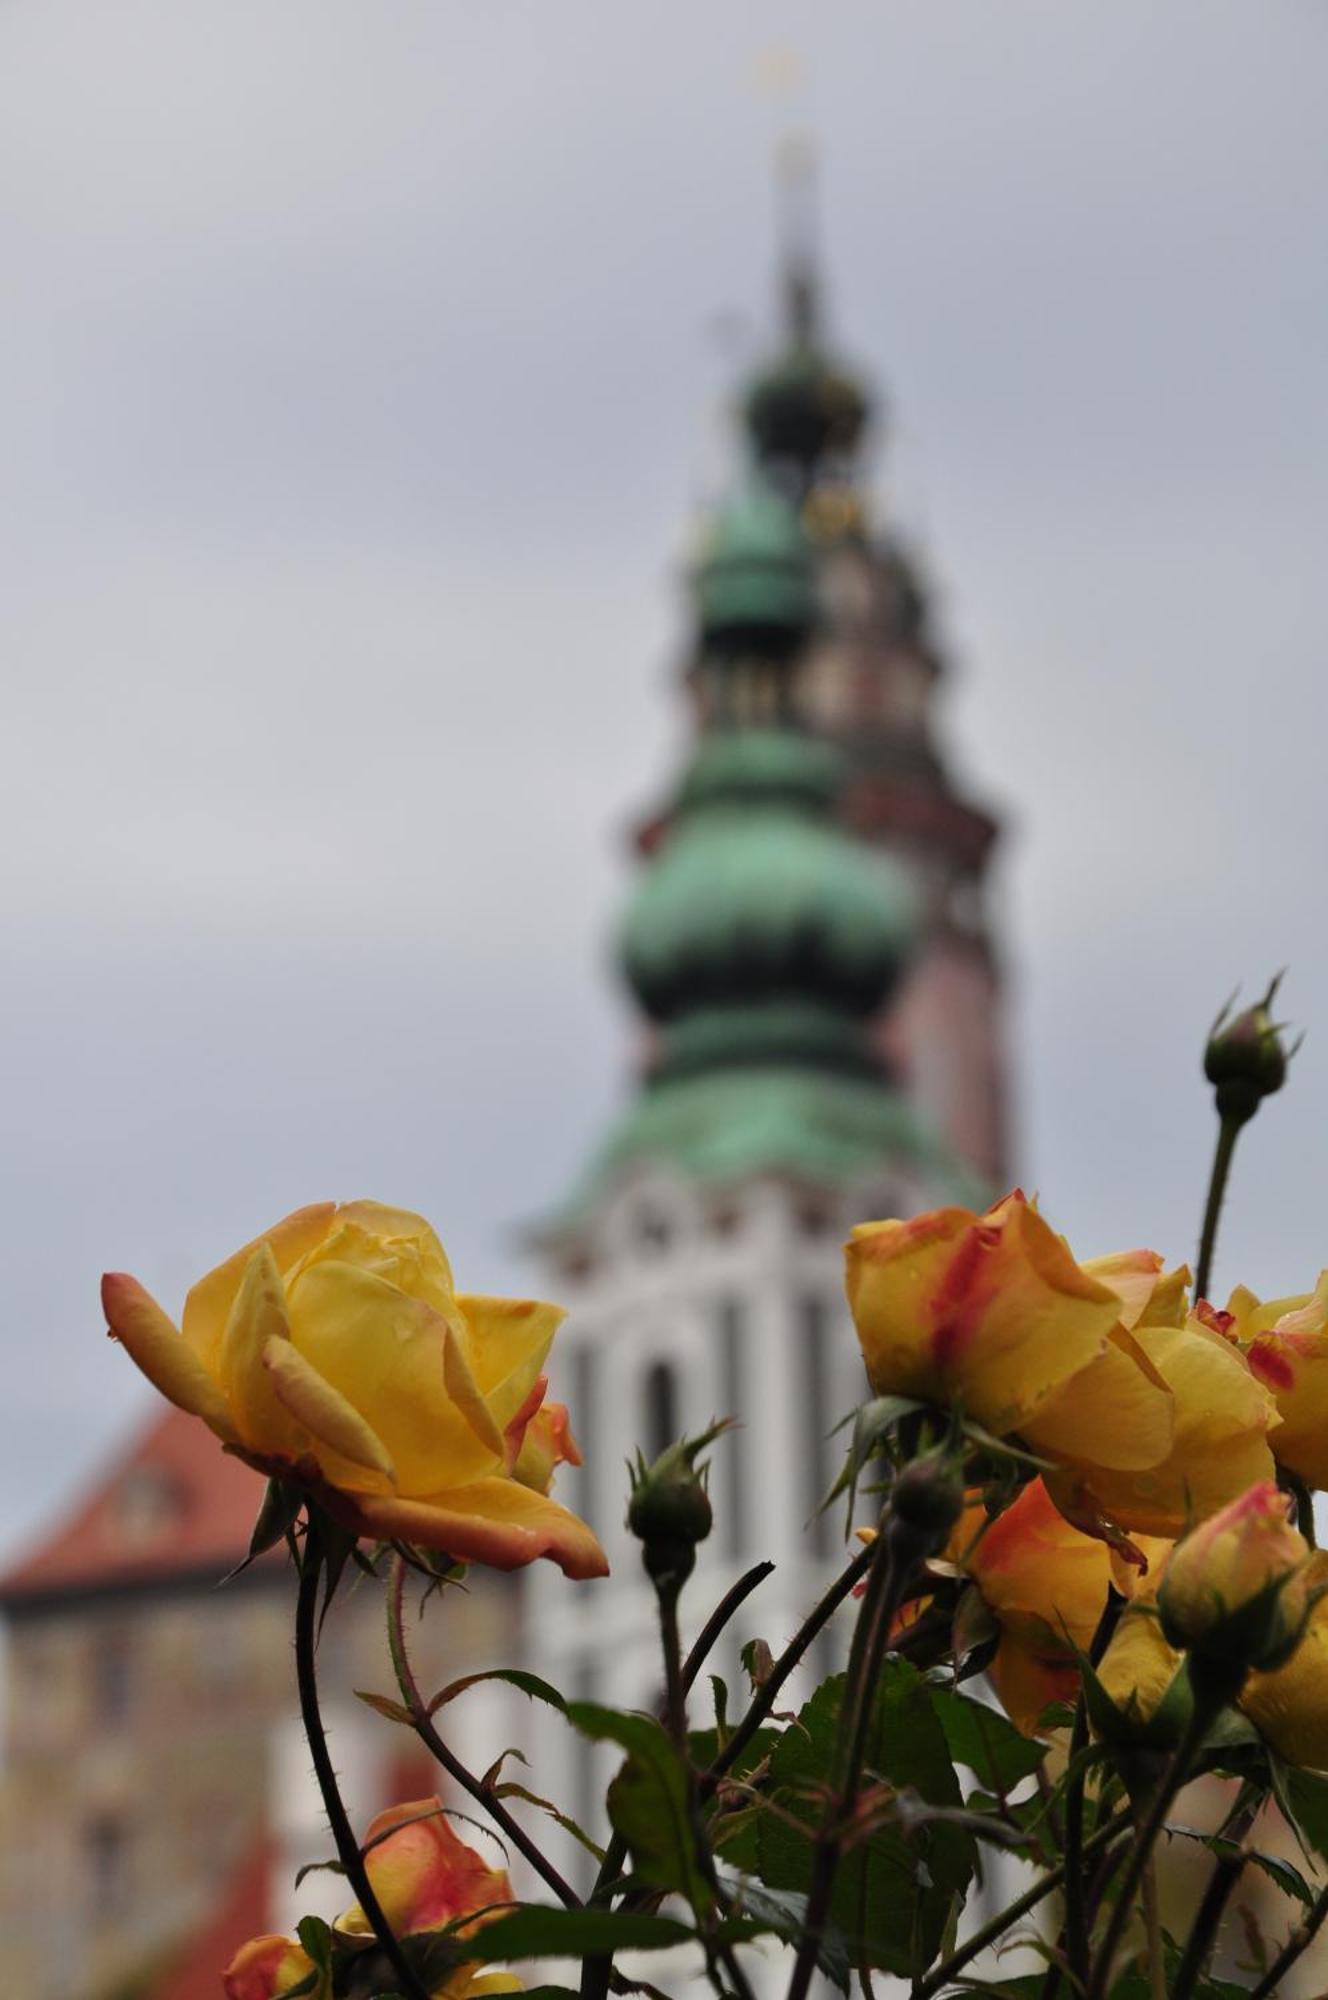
point(661, 1411)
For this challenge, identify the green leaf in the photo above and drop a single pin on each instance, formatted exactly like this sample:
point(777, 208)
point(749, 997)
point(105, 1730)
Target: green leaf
point(276, 1520)
point(381, 1704)
point(528, 1684)
point(316, 1937)
point(317, 1868)
point(872, 1425)
point(1287, 1877)
point(782, 1912)
point(511, 1790)
point(987, 1742)
point(538, 1930)
point(650, 1802)
point(895, 1889)
point(1303, 1797)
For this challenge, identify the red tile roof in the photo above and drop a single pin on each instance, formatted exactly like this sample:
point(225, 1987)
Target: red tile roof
point(173, 1503)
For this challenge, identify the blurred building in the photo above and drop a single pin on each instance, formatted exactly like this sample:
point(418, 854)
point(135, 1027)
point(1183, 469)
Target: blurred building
point(810, 943)
point(811, 946)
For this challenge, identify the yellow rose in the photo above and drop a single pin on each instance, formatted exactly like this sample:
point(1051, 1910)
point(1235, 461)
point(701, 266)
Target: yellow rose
point(1220, 1445)
point(423, 1874)
point(1046, 1585)
point(1289, 1706)
point(1236, 1591)
point(266, 1968)
point(334, 1350)
point(1286, 1344)
point(991, 1314)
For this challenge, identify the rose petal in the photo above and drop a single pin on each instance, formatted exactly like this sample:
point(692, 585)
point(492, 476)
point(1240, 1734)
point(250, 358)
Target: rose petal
point(170, 1364)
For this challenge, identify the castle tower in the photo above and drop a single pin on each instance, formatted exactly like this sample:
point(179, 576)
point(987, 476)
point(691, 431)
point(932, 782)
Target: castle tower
point(778, 945)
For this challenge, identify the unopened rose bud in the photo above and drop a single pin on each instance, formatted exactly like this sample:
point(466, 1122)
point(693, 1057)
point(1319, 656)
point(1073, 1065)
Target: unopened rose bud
point(669, 1511)
point(1246, 1060)
point(1235, 1593)
point(926, 1500)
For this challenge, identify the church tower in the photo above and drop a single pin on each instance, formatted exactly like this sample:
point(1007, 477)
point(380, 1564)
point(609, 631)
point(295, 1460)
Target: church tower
point(808, 946)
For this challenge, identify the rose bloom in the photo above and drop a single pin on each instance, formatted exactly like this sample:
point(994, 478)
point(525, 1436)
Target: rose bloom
point(1220, 1443)
point(1237, 1587)
point(991, 1314)
point(1289, 1706)
point(1286, 1343)
point(1045, 1583)
point(335, 1350)
point(424, 1877)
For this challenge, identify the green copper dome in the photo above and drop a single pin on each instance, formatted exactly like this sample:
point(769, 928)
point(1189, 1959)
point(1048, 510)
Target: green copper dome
point(756, 579)
point(802, 407)
point(762, 930)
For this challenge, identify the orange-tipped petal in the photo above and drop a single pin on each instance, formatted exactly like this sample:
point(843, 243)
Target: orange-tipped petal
point(208, 1305)
point(266, 1968)
point(333, 1421)
point(494, 1521)
point(170, 1364)
point(423, 1874)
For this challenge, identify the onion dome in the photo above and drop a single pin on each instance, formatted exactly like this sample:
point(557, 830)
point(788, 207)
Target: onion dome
point(756, 579)
point(803, 408)
point(762, 932)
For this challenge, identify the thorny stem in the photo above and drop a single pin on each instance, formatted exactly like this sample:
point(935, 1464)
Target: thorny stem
point(1221, 1883)
point(787, 1663)
point(1172, 1780)
point(423, 1725)
point(717, 1953)
point(992, 1932)
point(1298, 1943)
point(348, 1851)
point(1077, 1925)
point(596, 1972)
point(893, 1560)
point(1227, 1133)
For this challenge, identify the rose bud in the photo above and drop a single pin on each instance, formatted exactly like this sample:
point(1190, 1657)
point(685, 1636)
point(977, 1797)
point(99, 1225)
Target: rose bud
point(669, 1511)
point(1235, 1593)
point(1245, 1059)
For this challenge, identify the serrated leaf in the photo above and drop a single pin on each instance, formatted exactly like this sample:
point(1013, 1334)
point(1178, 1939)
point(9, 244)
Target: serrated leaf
point(1286, 1875)
point(872, 1425)
point(649, 1801)
point(985, 1741)
point(1303, 1797)
point(511, 1790)
point(540, 1930)
point(782, 1912)
point(318, 1868)
point(528, 1684)
point(895, 1889)
point(383, 1705)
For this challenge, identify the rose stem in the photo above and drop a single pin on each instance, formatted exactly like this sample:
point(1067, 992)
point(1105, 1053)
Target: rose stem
point(306, 1614)
point(423, 1724)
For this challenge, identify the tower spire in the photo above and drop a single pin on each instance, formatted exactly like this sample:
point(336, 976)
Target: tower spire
point(798, 234)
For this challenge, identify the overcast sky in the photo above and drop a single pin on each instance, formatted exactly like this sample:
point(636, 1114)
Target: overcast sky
point(362, 368)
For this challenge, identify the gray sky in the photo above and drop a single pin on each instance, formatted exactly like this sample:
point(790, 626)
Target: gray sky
point(361, 376)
